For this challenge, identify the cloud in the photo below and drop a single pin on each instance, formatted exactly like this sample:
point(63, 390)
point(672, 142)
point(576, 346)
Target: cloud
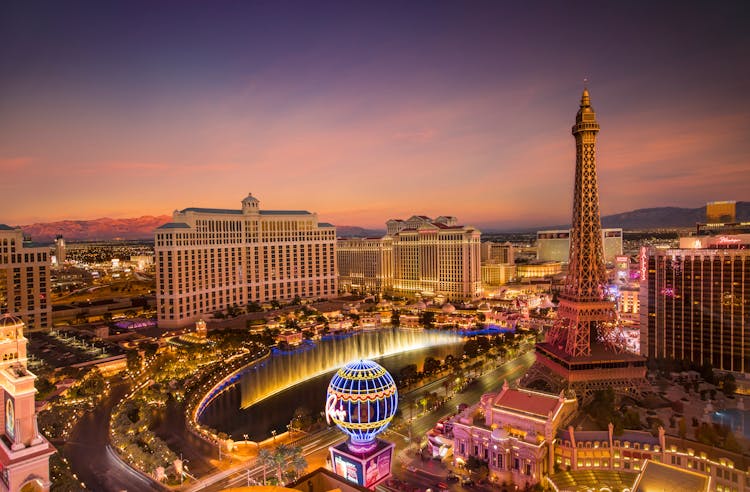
point(11, 164)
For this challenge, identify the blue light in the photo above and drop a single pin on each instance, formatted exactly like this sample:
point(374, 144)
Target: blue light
point(362, 400)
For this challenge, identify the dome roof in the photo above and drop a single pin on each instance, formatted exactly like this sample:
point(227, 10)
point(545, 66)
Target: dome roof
point(421, 305)
point(448, 308)
point(8, 319)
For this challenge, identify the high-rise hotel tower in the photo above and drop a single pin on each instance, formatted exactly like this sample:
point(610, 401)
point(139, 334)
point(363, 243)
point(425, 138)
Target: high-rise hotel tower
point(695, 301)
point(24, 279)
point(418, 255)
point(209, 259)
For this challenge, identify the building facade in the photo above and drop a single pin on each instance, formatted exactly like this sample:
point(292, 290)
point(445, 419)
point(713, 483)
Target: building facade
point(365, 264)
point(695, 304)
point(418, 255)
point(24, 452)
point(498, 252)
point(629, 451)
point(208, 260)
point(555, 245)
point(514, 432)
point(24, 279)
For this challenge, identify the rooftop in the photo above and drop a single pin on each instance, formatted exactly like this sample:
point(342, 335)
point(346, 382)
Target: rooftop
point(667, 478)
point(527, 401)
point(174, 225)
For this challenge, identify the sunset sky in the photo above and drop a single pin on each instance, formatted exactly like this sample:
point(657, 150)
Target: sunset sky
point(362, 111)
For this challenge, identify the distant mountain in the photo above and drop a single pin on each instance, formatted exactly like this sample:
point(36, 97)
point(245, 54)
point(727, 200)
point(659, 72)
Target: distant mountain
point(661, 217)
point(354, 231)
point(143, 227)
point(96, 230)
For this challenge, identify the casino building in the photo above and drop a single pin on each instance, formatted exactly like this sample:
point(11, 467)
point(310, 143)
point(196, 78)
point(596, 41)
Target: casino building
point(210, 259)
point(514, 432)
point(418, 255)
point(695, 302)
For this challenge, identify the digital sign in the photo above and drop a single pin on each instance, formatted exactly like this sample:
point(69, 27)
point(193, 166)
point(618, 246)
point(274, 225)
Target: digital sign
point(345, 467)
point(366, 470)
point(378, 468)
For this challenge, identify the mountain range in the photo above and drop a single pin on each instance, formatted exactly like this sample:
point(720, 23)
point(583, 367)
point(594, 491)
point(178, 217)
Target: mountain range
point(143, 227)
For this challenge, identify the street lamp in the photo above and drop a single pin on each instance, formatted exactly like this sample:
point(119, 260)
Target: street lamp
point(273, 433)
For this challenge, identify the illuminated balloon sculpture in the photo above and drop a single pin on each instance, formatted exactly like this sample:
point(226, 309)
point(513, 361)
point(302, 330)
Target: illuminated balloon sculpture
point(362, 400)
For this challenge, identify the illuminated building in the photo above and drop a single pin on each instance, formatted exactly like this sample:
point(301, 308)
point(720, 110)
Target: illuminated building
point(496, 274)
point(539, 269)
point(208, 260)
point(635, 451)
point(555, 245)
point(498, 263)
point(60, 250)
point(361, 401)
point(24, 452)
point(498, 252)
point(584, 350)
point(721, 212)
point(417, 256)
point(24, 279)
point(695, 302)
point(365, 264)
point(514, 432)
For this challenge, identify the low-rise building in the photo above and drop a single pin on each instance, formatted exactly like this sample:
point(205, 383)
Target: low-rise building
point(514, 432)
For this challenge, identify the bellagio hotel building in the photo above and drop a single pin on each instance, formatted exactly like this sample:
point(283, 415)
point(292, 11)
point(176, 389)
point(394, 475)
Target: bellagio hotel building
point(208, 260)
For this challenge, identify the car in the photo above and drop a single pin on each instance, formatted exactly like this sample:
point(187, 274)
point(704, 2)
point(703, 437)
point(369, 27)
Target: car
point(452, 477)
point(442, 486)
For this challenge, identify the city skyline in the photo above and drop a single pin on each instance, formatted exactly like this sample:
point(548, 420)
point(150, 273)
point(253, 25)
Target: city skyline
point(362, 113)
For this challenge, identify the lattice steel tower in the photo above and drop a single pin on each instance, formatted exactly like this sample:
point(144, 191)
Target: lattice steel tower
point(584, 351)
point(584, 313)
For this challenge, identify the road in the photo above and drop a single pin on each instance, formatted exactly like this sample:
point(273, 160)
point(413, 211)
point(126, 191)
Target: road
point(93, 460)
point(424, 473)
point(97, 465)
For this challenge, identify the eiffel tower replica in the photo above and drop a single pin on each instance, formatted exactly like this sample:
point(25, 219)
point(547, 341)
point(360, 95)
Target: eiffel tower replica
point(584, 351)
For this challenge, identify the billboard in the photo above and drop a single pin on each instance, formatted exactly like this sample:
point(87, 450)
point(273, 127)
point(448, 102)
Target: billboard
point(378, 468)
point(345, 466)
point(367, 471)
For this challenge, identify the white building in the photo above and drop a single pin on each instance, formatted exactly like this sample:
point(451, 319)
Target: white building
point(24, 279)
point(208, 260)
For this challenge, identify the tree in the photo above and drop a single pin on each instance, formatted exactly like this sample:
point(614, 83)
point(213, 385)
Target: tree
point(729, 385)
point(396, 318)
point(408, 373)
point(133, 358)
point(428, 319)
point(431, 365)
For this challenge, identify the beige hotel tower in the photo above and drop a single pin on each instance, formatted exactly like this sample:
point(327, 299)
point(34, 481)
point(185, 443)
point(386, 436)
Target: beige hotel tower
point(418, 255)
point(209, 259)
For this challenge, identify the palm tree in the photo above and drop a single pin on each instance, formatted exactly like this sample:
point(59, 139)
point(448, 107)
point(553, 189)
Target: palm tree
point(298, 463)
point(265, 457)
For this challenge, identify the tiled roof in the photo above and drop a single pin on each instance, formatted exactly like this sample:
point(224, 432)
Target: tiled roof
point(4, 227)
point(325, 224)
point(174, 225)
point(527, 401)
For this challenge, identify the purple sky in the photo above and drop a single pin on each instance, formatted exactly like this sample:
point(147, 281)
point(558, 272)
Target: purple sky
point(362, 111)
